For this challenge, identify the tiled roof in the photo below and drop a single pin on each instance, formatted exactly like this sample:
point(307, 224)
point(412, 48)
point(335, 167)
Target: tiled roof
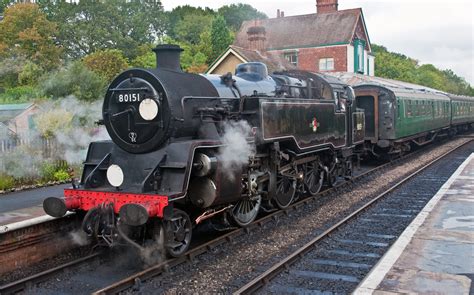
point(273, 61)
point(308, 30)
point(10, 111)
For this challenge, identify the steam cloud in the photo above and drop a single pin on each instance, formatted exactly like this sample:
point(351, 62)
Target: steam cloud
point(236, 150)
point(69, 125)
point(79, 238)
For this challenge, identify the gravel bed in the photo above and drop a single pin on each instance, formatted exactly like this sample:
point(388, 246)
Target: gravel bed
point(342, 260)
point(231, 265)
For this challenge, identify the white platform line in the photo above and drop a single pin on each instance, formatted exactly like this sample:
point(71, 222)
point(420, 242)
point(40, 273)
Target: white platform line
point(380, 270)
point(27, 223)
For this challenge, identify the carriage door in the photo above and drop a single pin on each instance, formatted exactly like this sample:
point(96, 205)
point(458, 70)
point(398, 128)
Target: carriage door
point(368, 100)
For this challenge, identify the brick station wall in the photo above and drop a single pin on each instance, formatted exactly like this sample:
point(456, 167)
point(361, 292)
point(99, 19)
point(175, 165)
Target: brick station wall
point(308, 58)
point(30, 245)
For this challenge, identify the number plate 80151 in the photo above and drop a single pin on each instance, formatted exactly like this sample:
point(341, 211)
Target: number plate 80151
point(129, 97)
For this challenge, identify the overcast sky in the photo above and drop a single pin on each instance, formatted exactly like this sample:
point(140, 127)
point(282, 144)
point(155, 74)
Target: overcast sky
point(431, 31)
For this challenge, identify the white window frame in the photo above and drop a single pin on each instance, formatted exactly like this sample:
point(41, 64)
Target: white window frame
point(324, 62)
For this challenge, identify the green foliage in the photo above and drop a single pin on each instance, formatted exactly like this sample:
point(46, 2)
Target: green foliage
point(90, 25)
point(6, 182)
point(192, 60)
point(146, 60)
point(75, 79)
point(221, 37)
point(10, 68)
point(25, 31)
point(190, 28)
point(61, 175)
point(4, 4)
point(30, 74)
point(235, 14)
point(177, 16)
point(106, 63)
point(19, 94)
point(400, 67)
point(146, 57)
point(53, 171)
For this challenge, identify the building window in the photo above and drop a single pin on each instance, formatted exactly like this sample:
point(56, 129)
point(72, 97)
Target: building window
point(292, 57)
point(326, 64)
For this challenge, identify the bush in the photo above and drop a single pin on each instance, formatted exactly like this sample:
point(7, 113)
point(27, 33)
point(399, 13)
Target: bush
point(61, 175)
point(52, 171)
point(10, 68)
point(6, 182)
point(19, 94)
point(47, 171)
point(76, 79)
point(29, 74)
point(107, 63)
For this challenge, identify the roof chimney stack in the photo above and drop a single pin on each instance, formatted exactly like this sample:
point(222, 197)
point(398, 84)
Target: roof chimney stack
point(282, 14)
point(326, 6)
point(278, 13)
point(257, 37)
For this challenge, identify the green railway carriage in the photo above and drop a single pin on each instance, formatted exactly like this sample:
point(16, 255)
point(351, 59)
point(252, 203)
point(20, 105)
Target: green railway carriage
point(462, 111)
point(397, 116)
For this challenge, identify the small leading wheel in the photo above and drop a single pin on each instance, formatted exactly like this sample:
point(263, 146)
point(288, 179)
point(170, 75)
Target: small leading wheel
point(178, 232)
point(313, 177)
point(285, 191)
point(246, 210)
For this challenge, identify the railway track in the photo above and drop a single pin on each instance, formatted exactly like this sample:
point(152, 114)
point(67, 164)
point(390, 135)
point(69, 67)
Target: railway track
point(335, 261)
point(135, 280)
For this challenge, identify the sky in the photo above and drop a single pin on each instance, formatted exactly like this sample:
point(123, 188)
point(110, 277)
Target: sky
point(431, 31)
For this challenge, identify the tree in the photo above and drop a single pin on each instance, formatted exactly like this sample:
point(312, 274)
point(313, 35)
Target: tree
point(400, 67)
point(235, 14)
point(4, 4)
point(75, 79)
point(178, 14)
point(190, 28)
point(90, 25)
point(25, 31)
point(220, 36)
point(106, 63)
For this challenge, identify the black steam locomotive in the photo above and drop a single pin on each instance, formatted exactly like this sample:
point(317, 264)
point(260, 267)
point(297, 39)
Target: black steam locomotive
point(186, 148)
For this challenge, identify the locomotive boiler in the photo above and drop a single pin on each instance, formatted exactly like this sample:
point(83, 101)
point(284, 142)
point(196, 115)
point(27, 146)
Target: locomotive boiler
point(186, 148)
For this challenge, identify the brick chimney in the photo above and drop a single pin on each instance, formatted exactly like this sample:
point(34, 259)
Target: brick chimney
point(326, 6)
point(257, 37)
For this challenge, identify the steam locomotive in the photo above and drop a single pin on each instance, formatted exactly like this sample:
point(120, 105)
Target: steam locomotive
point(185, 148)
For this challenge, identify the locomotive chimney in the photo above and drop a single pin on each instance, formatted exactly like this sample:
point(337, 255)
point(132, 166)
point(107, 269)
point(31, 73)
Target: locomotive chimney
point(326, 6)
point(168, 57)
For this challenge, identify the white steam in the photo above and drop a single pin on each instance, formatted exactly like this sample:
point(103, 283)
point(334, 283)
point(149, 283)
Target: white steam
point(236, 150)
point(79, 238)
point(63, 131)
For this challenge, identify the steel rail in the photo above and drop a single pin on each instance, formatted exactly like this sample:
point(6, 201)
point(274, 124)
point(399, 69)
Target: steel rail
point(27, 282)
point(261, 280)
point(158, 269)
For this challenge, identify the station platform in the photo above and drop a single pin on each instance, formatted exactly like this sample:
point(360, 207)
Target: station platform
point(435, 253)
point(25, 205)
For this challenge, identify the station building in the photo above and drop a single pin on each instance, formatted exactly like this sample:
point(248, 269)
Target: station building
point(329, 40)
